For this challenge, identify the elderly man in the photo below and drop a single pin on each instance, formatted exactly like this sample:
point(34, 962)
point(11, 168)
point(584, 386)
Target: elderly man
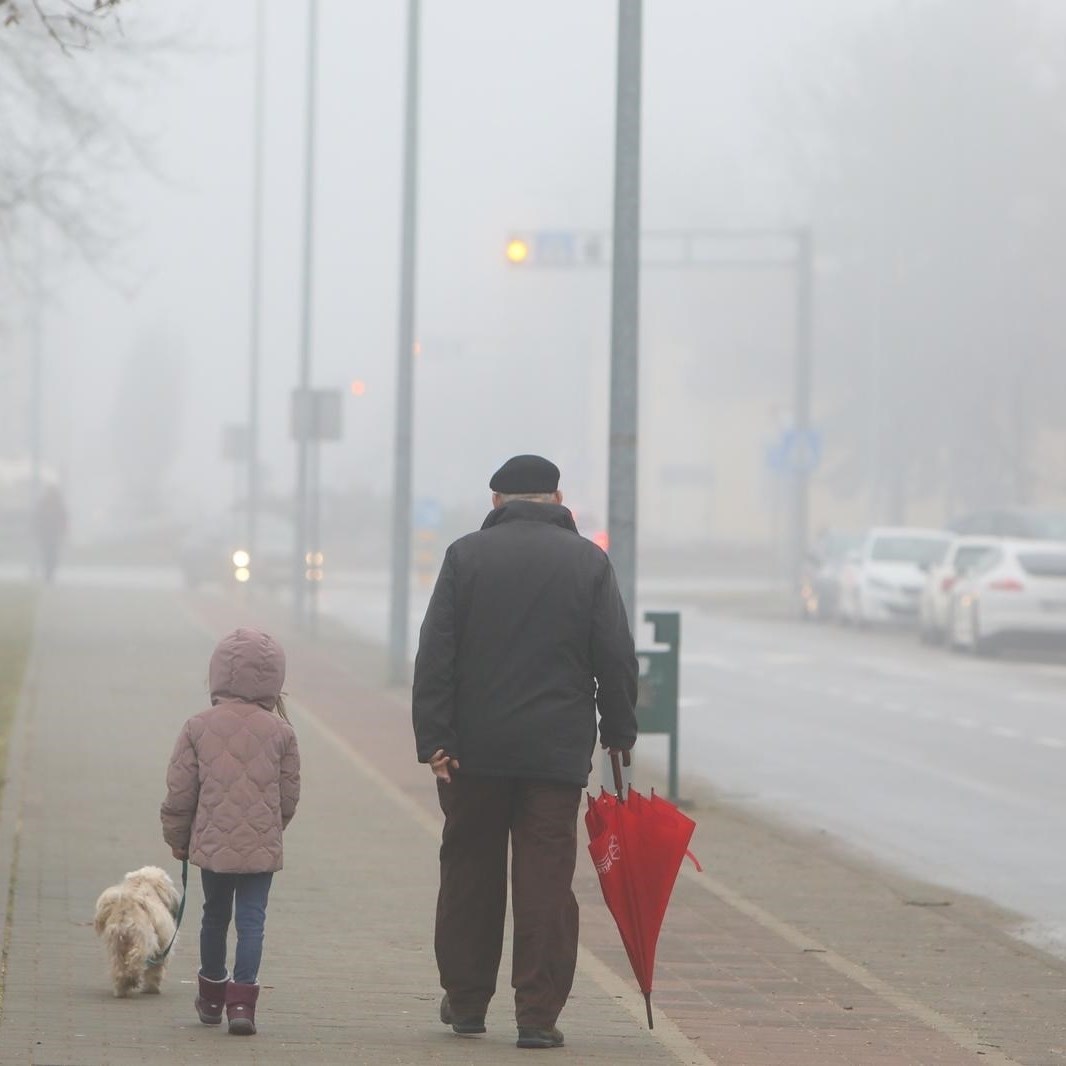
point(524, 639)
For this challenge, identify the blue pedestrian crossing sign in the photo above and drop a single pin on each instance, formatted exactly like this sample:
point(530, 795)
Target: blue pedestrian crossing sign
point(426, 513)
point(795, 452)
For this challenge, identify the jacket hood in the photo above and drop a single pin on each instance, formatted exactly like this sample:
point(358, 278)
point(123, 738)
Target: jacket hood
point(249, 666)
point(530, 511)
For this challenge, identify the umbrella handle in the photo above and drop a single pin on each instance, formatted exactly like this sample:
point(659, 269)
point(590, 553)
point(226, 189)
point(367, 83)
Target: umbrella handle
point(616, 768)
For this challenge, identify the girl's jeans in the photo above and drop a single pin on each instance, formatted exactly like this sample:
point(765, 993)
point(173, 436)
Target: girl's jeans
point(250, 892)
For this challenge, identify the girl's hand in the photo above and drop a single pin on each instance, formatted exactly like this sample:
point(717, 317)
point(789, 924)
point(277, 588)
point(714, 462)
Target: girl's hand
point(441, 763)
point(180, 853)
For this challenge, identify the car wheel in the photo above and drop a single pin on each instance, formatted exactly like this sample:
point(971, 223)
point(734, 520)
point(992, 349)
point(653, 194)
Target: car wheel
point(953, 637)
point(982, 646)
point(947, 634)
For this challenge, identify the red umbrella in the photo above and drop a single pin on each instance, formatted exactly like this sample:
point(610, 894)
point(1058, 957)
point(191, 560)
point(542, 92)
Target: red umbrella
point(637, 845)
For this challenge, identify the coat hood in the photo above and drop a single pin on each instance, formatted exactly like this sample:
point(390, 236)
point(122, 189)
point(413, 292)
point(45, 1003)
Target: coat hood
point(248, 665)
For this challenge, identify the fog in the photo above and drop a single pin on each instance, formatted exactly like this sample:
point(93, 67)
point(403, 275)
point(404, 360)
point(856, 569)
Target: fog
point(923, 143)
point(877, 184)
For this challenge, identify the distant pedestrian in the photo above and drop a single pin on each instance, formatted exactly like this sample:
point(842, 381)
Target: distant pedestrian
point(232, 787)
point(525, 638)
point(50, 528)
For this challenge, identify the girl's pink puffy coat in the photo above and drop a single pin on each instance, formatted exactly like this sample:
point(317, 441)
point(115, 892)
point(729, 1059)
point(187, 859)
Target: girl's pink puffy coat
point(234, 779)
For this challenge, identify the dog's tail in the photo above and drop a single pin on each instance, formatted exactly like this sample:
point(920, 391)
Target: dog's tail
point(128, 945)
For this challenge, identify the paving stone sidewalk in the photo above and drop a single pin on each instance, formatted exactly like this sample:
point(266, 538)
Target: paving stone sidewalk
point(749, 974)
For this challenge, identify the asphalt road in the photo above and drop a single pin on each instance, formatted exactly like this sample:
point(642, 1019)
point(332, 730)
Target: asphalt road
point(949, 768)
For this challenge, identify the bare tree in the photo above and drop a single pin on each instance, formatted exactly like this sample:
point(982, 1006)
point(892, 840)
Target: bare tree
point(70, 24)
point(936, 155)
point(66, 68)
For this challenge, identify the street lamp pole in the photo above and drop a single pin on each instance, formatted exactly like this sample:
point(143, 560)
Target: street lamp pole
point(625, 309)
point(402, 477)
point(802, 399)
point(299, 575)
point(256, 282)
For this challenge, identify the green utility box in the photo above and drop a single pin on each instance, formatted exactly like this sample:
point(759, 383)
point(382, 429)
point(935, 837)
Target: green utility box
point(658, 685)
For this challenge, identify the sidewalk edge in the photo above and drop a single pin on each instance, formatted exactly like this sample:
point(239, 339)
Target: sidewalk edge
point(12, 801)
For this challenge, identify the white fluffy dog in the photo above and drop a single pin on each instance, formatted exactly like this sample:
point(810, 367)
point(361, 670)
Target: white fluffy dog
point(137, 919)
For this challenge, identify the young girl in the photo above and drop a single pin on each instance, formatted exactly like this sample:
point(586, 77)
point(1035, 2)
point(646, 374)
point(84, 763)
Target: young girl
point(232, 787)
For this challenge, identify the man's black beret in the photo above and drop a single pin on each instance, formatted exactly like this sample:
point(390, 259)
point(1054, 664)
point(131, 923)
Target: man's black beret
point(524, 475)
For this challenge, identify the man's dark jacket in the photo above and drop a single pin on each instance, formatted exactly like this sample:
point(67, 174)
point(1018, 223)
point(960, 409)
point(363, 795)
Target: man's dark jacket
point(525, 636)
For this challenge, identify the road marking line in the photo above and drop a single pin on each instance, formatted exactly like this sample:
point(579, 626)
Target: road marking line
point(788, 658)
point(928, 716)
point(1005, 731)
point(1028, 696)
point(953, 1030)
point(893, 669)
point(1051, 742)
point(699, 658)
point(666, 1031)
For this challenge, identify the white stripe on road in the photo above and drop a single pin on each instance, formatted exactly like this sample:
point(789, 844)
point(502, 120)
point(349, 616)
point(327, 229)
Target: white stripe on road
point(666, 1032)
point(700, 658)
point(1051, 742)
point(788, 658)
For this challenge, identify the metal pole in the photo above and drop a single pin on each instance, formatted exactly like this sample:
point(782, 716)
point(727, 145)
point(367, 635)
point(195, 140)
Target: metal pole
point(256, 286)
point(401, 494)
point(314, 535)
point(299, 588)
point(37, 385)
point(802, 398)
point(625, 309)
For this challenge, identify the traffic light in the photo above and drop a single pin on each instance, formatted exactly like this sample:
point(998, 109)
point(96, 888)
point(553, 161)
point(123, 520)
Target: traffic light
point(517, 250)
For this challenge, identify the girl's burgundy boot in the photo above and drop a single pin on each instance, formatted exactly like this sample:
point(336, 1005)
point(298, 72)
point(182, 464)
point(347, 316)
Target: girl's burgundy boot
point(211, 999)
point(240, 1008)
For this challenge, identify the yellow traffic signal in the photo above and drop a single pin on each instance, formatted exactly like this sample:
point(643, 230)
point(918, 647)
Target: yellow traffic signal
point(517, 250)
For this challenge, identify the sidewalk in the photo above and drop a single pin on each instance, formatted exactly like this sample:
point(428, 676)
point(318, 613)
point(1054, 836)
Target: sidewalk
point(783, 954)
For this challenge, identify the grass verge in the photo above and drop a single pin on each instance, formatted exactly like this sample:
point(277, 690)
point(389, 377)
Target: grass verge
point(17, 603)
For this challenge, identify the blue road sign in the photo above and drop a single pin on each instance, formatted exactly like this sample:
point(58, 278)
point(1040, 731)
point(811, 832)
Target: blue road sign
point(795, 452)
point(426, 513)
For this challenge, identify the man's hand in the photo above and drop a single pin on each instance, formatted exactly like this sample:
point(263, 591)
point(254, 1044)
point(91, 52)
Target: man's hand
point(441, 763)
point(624, 752)
point(180, 853)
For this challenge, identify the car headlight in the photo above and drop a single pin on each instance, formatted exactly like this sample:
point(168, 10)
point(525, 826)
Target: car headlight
point(241, 559)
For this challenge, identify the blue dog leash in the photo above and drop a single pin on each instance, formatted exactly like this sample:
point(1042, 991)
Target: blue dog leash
point(157, 960)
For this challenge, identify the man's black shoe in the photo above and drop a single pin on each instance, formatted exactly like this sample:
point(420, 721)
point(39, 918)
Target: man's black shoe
point(539, 1038)
point(463, 1026)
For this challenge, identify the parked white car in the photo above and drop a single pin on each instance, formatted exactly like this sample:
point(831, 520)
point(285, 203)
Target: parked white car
point(883, 580)
point(938, 596)
point(1017, 591)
